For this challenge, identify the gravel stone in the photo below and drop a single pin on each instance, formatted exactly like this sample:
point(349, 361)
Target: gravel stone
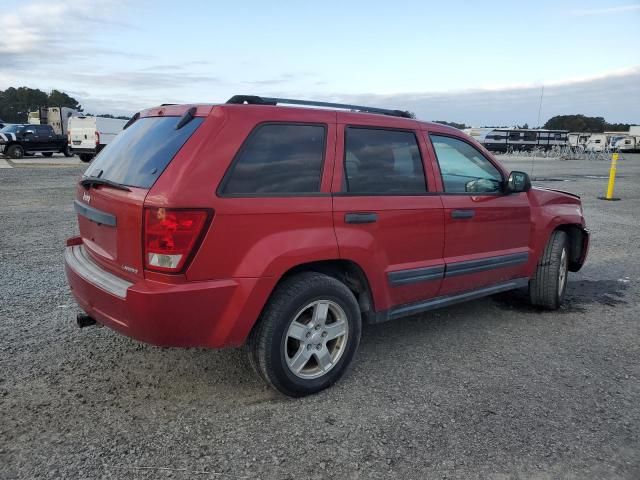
point(488, 389)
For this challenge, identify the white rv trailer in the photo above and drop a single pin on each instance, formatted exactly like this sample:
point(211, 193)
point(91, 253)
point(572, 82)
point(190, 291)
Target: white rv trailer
point(628, 143)
point(578, 139)
point(613, 138)
point(478, 134)
point(89, 135)
point(57, 117)
point(503, 139)
point(597, 142)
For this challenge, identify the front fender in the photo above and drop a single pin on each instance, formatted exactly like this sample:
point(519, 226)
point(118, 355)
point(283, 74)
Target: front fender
point(549, 218)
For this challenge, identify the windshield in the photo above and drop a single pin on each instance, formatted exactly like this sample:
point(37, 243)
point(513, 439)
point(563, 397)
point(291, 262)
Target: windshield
point(139, 154)
point(12, 129)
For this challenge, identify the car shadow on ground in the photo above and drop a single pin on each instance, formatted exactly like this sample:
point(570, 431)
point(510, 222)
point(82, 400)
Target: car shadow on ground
point(204, 376)
point(580, 295)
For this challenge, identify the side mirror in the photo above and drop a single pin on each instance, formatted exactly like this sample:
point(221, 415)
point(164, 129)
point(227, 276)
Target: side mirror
point(518, 182)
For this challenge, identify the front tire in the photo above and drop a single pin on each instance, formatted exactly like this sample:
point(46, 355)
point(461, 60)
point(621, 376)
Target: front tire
point(549, 284)
point(307, 335)
point(15, 151)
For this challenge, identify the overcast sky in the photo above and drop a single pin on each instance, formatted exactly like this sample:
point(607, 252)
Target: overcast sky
point(483, 64)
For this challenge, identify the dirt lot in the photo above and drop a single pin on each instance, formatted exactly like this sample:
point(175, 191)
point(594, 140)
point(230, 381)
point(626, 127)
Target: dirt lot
point(489, 389)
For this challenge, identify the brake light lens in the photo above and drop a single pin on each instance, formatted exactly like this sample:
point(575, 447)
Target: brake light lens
point(68, 137)
point(171, 236)
point(97, 138)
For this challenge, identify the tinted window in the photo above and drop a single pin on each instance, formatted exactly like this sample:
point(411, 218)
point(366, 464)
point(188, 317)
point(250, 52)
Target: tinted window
point(43, 129)
point(278, 158)
point(463, 168)
point(382, 161)
point(514, 135)
point(13, 129)
point(139, 154)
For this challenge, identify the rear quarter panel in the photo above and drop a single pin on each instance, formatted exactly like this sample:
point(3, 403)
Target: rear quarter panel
point(261, 236)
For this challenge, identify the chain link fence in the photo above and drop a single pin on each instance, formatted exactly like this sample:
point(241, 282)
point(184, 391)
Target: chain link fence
point(561, 153)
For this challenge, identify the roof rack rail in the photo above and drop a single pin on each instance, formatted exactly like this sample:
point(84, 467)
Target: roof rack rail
point(256, 100)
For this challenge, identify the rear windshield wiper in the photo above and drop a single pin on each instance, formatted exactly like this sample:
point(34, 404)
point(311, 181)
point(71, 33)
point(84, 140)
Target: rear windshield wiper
point(186, 118)
point(93, 181)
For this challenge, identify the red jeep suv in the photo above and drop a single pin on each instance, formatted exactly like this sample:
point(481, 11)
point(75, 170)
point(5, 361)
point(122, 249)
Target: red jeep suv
point(284, 228)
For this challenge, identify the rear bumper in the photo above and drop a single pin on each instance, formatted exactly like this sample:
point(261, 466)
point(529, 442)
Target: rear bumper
point(79, 151)
point(216, 313)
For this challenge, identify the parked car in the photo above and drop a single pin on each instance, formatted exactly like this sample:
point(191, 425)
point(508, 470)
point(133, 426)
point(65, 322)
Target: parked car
point(19, 140)
point(89, 135)
point(283, 229)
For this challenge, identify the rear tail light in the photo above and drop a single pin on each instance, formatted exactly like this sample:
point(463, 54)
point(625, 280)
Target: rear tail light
point(97, 138)
point(171, 237)
point(68, 137)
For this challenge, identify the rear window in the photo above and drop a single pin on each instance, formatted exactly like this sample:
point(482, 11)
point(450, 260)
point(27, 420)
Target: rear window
point(139, 154)
point(278, 159)
point(382, 162)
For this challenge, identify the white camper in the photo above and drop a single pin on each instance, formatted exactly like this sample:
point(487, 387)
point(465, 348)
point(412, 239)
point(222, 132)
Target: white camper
point(503, 139)
point(57, 117)
point(478, 134)
point(597, 142)
point(89, 135)
point(578, 139)
point(628, 143)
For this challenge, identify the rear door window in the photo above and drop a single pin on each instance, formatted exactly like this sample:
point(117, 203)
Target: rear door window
point(278, 159)
point(137, 156)
point(379, 161)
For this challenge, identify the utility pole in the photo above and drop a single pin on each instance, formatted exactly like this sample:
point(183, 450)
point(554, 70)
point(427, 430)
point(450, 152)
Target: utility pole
point(540, 107)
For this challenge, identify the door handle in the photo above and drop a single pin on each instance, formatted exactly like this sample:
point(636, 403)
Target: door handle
point(463, 214)
point(368, 217)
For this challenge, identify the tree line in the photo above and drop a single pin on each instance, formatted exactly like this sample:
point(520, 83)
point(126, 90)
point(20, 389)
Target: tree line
point(16, 103)
point(573, 123)
point(582, 123)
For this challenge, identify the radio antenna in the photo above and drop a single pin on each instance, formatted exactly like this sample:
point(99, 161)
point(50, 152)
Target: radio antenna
point(538, 127)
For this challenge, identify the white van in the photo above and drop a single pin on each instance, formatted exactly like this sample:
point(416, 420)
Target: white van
point(89, 135)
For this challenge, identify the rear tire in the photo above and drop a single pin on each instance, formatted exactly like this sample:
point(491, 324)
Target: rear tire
point(549, 284)
point(86, 157)
point(15, 151)
point(47, 154)
point(67, 151)
point(307, 335)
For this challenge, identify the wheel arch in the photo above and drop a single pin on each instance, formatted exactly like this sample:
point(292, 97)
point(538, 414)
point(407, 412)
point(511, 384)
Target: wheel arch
point(578, 244)
point(347, 272)
point(8, 145)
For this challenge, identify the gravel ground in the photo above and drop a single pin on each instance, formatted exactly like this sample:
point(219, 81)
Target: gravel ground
point(489, 389)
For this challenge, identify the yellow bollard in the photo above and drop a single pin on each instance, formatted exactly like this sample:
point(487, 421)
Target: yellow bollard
point(612, 179)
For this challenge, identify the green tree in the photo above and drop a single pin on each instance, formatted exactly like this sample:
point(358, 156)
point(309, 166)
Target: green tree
point(576, 123)
point(61, 99)
point(16, 103)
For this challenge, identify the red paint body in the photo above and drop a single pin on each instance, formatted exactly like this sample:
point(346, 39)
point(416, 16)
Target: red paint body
point(252, 242)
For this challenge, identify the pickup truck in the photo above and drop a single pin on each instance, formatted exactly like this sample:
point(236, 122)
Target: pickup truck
point(19, 140)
